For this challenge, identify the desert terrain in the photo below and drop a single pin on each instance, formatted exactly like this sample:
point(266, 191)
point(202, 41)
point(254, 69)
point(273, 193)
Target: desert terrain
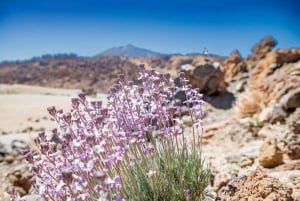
point(252, 129)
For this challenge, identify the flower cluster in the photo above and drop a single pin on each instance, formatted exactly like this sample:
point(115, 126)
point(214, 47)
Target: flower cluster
point(109, 152)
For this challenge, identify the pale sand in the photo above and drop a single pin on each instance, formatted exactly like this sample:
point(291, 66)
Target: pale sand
point(24, 108)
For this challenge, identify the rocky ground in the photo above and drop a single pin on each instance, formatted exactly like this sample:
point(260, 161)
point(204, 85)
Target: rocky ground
point(252, 129)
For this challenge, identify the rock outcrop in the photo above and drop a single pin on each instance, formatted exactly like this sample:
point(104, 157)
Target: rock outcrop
point(272, 78)
point(263, 47)
point(234, 67)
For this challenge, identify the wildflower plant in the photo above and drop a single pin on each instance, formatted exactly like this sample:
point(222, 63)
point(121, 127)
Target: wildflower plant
point(134, 148)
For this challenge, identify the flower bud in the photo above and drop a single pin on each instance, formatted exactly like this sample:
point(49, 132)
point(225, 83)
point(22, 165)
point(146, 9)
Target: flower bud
point(52, 111)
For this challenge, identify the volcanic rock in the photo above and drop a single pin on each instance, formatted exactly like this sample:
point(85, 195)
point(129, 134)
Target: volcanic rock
point(272, 114)
point(257, 186)
point(262, 48)
point(291, 100)
point(292, 145)
point(273, 77)
point(234, 66)
point(208, 79)
point(294, 121)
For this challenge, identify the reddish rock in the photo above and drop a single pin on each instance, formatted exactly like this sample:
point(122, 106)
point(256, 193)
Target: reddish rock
point(270, 80)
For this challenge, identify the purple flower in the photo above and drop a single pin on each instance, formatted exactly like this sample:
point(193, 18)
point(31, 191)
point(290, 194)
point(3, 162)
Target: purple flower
point(83, 158)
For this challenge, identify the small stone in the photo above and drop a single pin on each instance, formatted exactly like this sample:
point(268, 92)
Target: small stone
point(272, 114)
point(3, 150)
point(245, 161)
point(9, 159)
point(19, 145)
point(270, 155)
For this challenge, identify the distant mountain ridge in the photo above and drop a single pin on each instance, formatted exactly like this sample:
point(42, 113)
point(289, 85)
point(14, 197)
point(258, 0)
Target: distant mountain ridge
point(130, 51)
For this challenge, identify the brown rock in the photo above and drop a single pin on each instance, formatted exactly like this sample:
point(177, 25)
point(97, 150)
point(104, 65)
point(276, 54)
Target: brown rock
point(272, 78)
point(262, 48)
point(270, 155)
point(21, 179)
point(9, 158)
point(234, 66)
point(257, 186)
point(206, 77)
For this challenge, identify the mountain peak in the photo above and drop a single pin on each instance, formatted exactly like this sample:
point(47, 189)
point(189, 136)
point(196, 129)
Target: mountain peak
point(130, 50)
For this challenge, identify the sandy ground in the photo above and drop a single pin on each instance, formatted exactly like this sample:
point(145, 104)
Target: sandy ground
point(24, 108)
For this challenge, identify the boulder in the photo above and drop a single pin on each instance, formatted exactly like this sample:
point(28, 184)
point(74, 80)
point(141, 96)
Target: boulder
point(206, 77)
point(234, 67)
point(270, 155)
point(272, 114)
point(291, 100)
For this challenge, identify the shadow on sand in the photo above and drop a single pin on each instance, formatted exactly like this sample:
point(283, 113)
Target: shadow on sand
point(221, 101)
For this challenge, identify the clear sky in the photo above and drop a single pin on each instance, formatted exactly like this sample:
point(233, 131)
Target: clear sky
point(87, 27)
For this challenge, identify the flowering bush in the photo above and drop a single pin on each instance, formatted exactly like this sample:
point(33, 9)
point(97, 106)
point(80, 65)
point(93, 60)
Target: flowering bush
point(135, 148)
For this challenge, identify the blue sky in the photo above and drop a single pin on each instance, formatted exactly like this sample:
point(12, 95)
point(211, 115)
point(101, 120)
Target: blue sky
point(87, 27)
